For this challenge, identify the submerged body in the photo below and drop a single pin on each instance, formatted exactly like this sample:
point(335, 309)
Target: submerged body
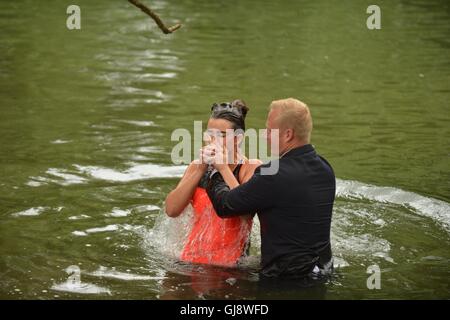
point(294, 208)
point(214, 240)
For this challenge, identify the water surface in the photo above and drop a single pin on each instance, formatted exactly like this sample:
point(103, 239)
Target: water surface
point(86, 118)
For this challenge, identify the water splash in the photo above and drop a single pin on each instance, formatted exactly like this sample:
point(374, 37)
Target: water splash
point(168, 235)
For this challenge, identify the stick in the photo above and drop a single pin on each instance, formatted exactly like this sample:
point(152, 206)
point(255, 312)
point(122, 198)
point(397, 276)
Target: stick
point(155, 17)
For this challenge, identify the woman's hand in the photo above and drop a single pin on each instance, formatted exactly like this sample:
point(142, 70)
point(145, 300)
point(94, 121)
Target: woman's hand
point(221, 165)
point(180, 197)
point(200, 165)
point(221, 159)
point(207, 155)
point(215, 155)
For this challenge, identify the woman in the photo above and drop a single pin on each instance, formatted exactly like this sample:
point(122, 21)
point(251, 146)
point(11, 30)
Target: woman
point(214, 240)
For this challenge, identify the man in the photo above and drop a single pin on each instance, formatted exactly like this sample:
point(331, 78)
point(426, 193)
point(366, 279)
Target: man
point(294, 205)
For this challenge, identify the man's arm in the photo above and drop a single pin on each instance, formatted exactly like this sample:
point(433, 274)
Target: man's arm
point(248, 198)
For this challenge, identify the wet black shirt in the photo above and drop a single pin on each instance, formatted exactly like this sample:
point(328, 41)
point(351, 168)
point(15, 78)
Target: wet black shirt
point(294, 207)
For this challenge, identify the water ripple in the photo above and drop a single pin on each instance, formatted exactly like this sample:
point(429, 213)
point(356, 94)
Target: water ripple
point(433, 208)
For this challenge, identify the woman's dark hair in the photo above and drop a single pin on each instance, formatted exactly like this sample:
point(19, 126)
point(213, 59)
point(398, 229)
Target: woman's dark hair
point(235, 112)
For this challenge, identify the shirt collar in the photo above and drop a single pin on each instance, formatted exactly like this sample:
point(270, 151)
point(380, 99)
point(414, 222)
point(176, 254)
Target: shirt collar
point(299, 151)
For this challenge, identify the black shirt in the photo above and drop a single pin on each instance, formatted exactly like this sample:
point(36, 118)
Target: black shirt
point(294, 207)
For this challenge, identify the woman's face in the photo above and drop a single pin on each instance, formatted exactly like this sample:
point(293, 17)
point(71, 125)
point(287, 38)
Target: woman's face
point(217, 133)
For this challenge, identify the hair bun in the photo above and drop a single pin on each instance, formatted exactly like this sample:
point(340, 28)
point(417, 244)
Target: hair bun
point(240, 104)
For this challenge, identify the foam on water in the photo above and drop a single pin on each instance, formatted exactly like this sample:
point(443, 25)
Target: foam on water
point(139, 123)
point(79, 233)
point(83, 288)
point(149, 149)
point(435, 209)
point(136, 172)
point(112, 273)
point(30, 212)
point(79, 217)
point(117, 212)
point(111, 227)
point(364, 245)
point(146, 208)
point(74, 284)
point(58, 176)
point(66, 178)
point(60, 141)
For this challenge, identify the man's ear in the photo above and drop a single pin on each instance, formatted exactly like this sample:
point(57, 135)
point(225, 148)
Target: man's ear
point(289, 134)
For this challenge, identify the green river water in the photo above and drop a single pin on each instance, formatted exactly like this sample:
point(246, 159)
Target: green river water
point(86, 118)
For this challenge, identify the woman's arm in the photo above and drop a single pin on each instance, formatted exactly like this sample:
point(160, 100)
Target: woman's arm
point(179, 197)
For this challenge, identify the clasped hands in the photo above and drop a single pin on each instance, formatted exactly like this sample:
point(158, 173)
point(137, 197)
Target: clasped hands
point(215, 155)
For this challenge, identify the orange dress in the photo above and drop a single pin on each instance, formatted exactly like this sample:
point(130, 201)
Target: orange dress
point(214, 240)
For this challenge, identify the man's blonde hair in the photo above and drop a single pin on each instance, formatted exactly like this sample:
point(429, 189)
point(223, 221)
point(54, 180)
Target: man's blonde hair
point(294, 114)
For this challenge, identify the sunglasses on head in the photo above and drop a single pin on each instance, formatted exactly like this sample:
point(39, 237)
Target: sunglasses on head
point(225, 107)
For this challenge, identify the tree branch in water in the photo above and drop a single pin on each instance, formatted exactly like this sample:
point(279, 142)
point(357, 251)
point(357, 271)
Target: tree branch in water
point(155, 17)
